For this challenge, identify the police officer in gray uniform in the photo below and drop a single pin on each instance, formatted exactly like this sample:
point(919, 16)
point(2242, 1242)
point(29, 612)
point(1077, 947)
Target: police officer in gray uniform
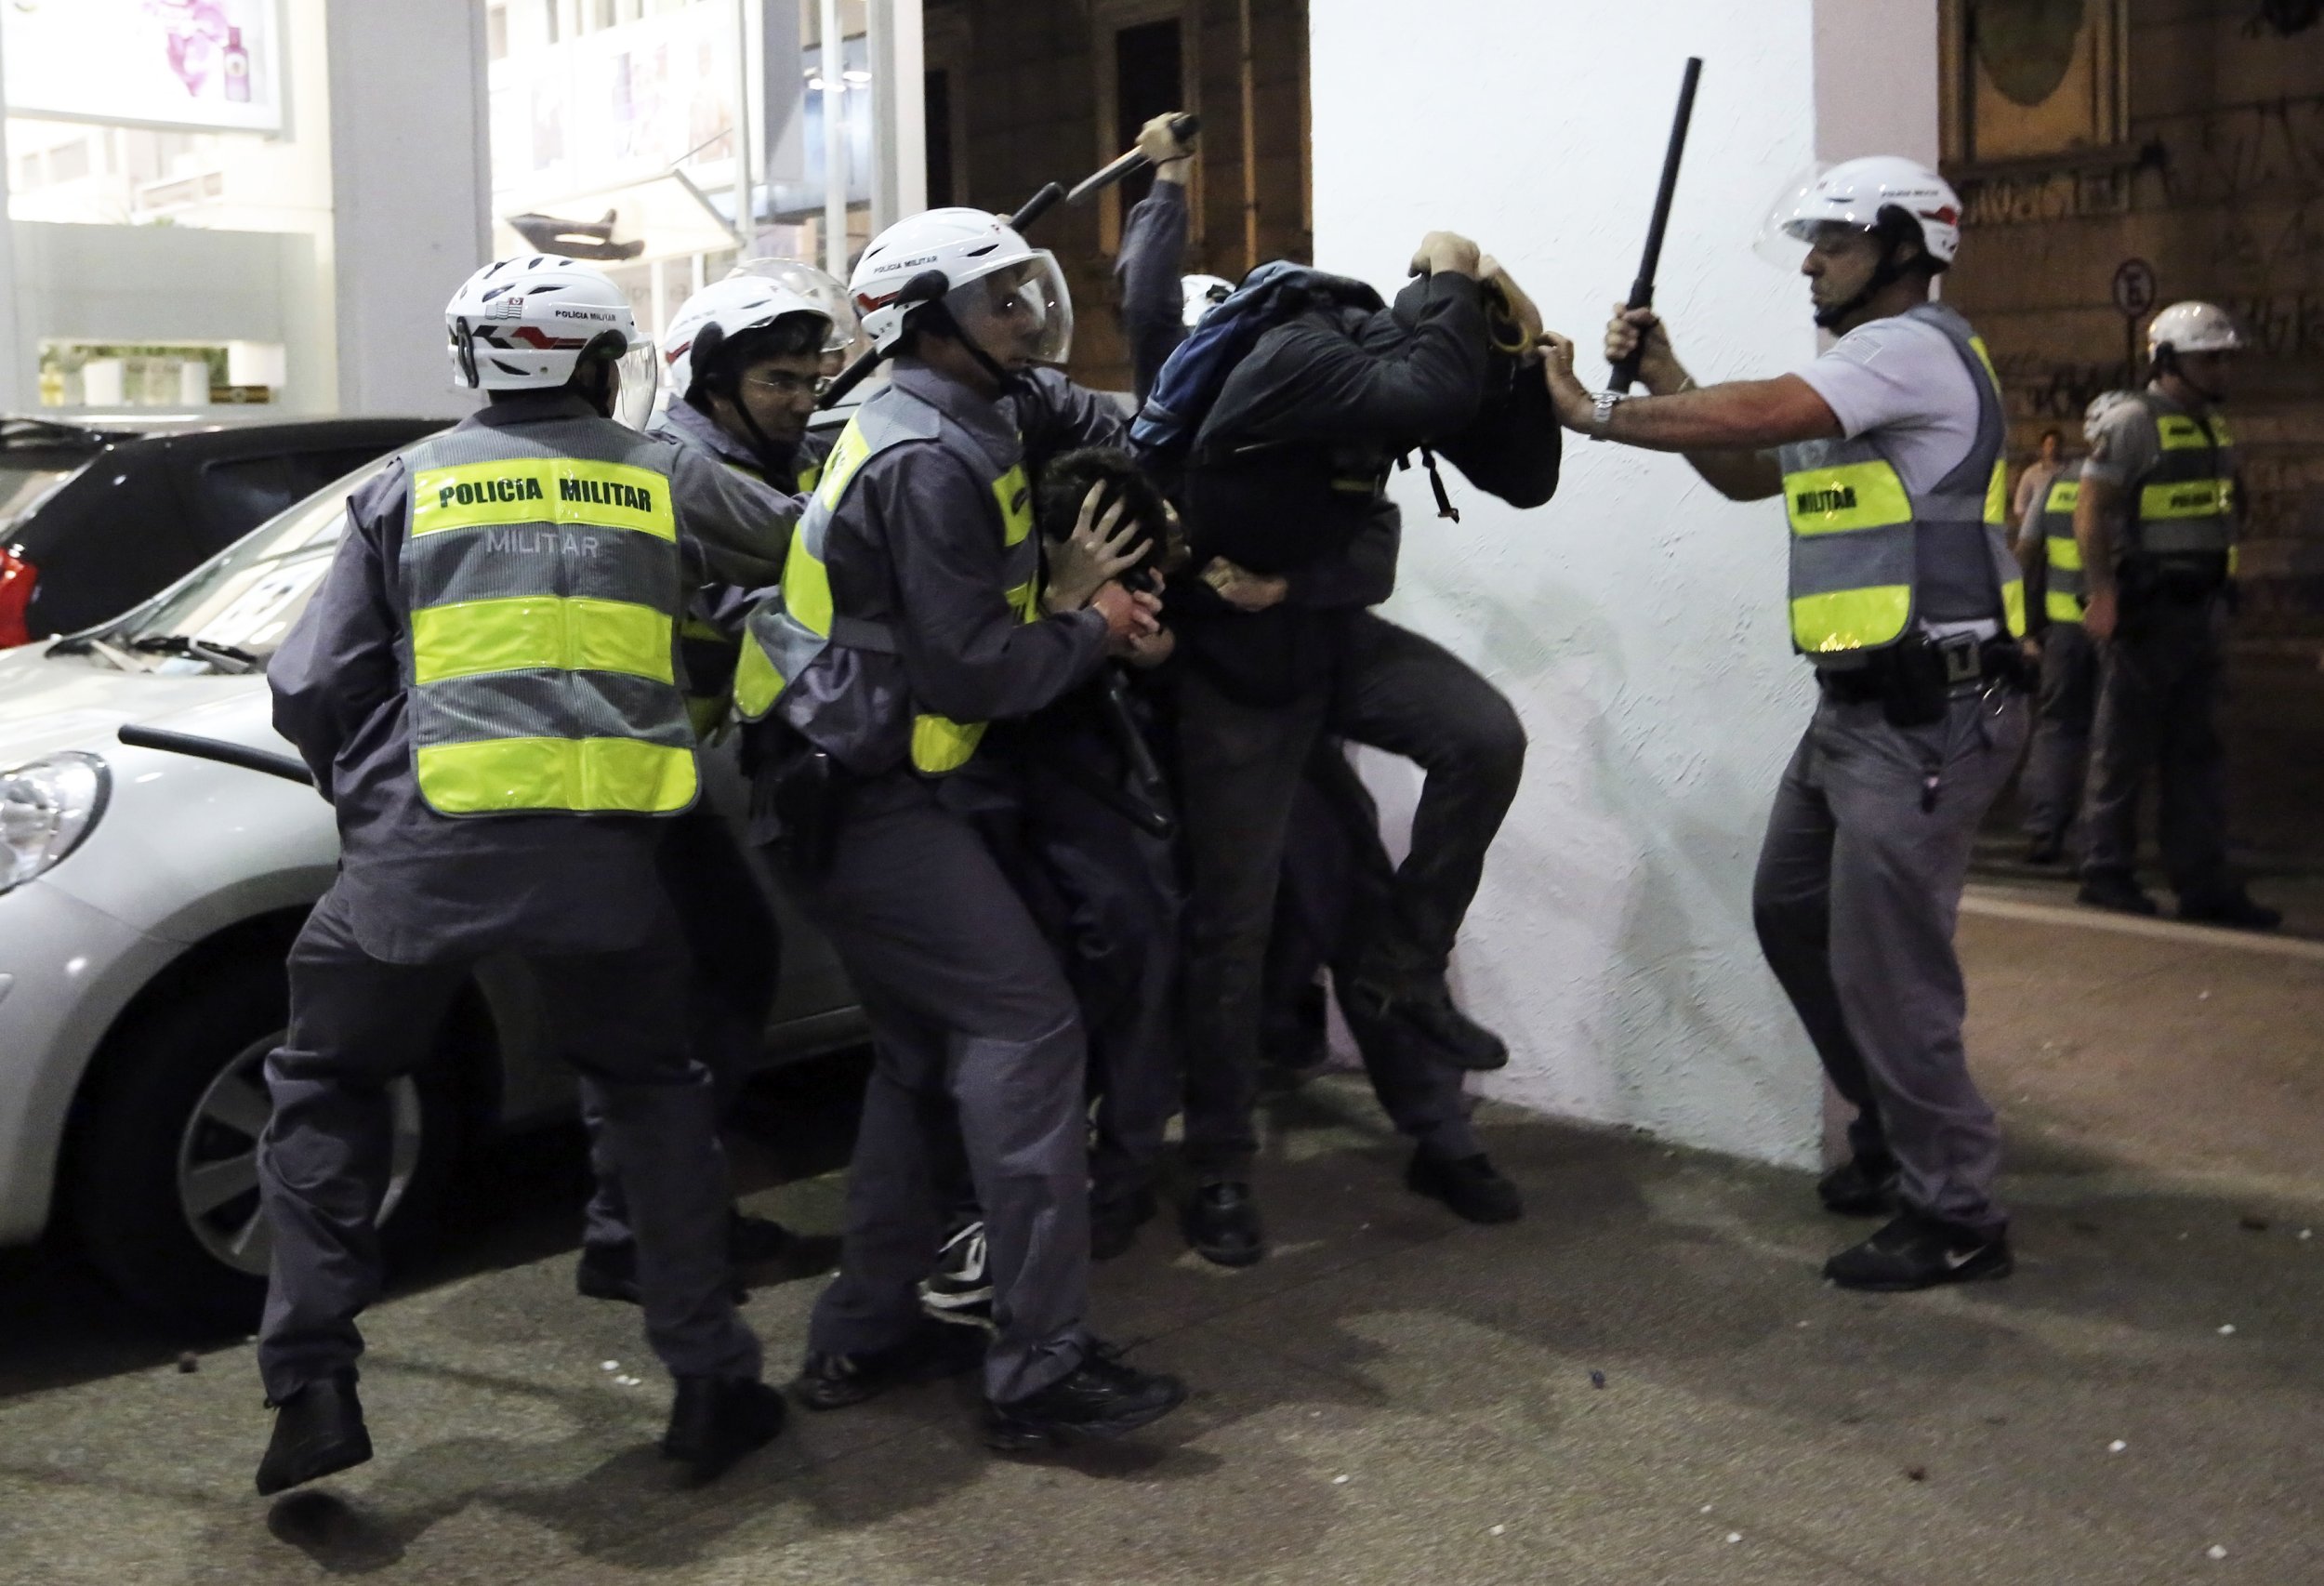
point(2157, 522)
point(745, 362)
point(485, 687)
point(910, 617)
point(1905, 596)
point(2052, 782)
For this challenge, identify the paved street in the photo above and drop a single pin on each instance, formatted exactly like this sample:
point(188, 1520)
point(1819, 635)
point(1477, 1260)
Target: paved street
point(1392, 1396)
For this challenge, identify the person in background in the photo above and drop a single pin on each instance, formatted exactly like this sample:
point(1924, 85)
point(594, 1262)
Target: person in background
point(745, 362)
point(2157, 522)
point(2051, 784)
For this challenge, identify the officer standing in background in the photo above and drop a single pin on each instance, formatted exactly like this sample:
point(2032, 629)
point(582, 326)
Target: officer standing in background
point(1906, 598)
point(910, 617)
point(745, 362)
point(2156, 524)
point(485, 687)
point(2052, 782)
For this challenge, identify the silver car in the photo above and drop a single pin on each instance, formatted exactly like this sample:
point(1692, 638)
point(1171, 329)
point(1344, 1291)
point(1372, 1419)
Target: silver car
point(149, 889)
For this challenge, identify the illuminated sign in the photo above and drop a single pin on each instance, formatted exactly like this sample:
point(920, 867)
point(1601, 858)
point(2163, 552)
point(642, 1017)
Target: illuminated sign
point(206, 65)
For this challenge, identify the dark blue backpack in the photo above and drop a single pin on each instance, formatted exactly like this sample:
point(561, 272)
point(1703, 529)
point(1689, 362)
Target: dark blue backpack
point(1192, 377)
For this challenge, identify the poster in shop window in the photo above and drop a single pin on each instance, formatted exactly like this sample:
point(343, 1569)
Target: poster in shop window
point(206, 65)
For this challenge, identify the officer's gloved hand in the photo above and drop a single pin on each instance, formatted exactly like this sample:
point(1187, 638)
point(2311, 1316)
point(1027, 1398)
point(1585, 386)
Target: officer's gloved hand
point(1159, 143)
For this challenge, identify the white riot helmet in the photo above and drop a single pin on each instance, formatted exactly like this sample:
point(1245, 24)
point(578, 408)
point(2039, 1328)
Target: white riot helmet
point(2193, 326)
point(1202, 293)
point(527, 323)
point(1859, 194)
point(823, 291)
point(994, 287)
point(726, 311)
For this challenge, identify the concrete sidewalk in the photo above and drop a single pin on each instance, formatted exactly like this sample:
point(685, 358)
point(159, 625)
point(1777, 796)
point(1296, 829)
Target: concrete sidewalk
point(1396, 1397)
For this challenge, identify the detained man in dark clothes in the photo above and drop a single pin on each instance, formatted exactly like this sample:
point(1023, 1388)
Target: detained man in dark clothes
point(1277, 647)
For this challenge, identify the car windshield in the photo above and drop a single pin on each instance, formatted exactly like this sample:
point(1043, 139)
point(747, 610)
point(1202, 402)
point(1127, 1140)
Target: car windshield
point(244, 599)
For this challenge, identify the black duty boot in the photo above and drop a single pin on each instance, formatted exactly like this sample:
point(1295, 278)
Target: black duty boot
point(769, 1253)
point(1862, 1187)
point(716, 1421)
point(1221, 1222)
point(1444, 1032)
point(2115, 890)
point(2235, 910)
point(1102, 1397)
point(610, 1271)
point(1113, 1225)
point(1918, 1252)
point(932, 1352)
point(318, 1430)
point(1469, 1185)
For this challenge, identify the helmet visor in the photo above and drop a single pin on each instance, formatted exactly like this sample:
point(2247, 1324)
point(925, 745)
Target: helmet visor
point(1805, 214)
point(640, 372)
point(1019, 314)
point(817, 288)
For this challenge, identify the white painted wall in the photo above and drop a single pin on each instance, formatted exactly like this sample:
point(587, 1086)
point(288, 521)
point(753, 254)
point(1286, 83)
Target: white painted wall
point(1637, 621)
point(410, 177)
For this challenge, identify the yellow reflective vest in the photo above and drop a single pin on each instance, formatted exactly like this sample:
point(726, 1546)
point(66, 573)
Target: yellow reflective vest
point(793, 632)
point(2064, 591)
point(2187, 502)
point(1856, 532)
point(545, 588)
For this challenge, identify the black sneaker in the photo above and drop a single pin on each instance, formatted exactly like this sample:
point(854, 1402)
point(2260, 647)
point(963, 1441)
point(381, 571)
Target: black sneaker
point(931, 1353)
point(1102, 1397)
point(318, 1430)
point(1469, 1185)
point(1445, 1034)
point(716, 1421)
point(1862, 1187)
point(610, 1271)
point(1221, 1222)
point(2114, 890)
point(1918, 1252)
point(2235, 910)
point(2047, 849)
point(1113, 1225)
point(960, 1290)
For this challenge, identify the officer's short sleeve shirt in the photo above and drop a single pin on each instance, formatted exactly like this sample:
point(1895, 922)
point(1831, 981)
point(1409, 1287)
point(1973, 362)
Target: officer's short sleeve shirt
point(2124, 444)
point(1902, 378)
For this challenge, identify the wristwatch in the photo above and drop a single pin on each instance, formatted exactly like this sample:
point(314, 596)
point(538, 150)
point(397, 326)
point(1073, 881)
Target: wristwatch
point(1601, 411)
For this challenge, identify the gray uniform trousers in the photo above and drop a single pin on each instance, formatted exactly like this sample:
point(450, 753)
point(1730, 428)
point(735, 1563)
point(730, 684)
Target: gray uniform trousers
point(733, 967)
point(1240, 770)
point(358, 1023)
point(1856, 898)
point(2059, 756)
point(974, 1031)
point(2159, 677)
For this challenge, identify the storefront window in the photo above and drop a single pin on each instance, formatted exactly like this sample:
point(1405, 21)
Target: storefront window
point(148, 142)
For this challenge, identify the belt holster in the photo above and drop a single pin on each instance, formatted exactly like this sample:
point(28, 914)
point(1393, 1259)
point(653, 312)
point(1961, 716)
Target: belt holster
point(809, 792)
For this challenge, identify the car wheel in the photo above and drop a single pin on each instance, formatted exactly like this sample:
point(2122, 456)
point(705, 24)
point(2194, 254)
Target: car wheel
point(165, 1182)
